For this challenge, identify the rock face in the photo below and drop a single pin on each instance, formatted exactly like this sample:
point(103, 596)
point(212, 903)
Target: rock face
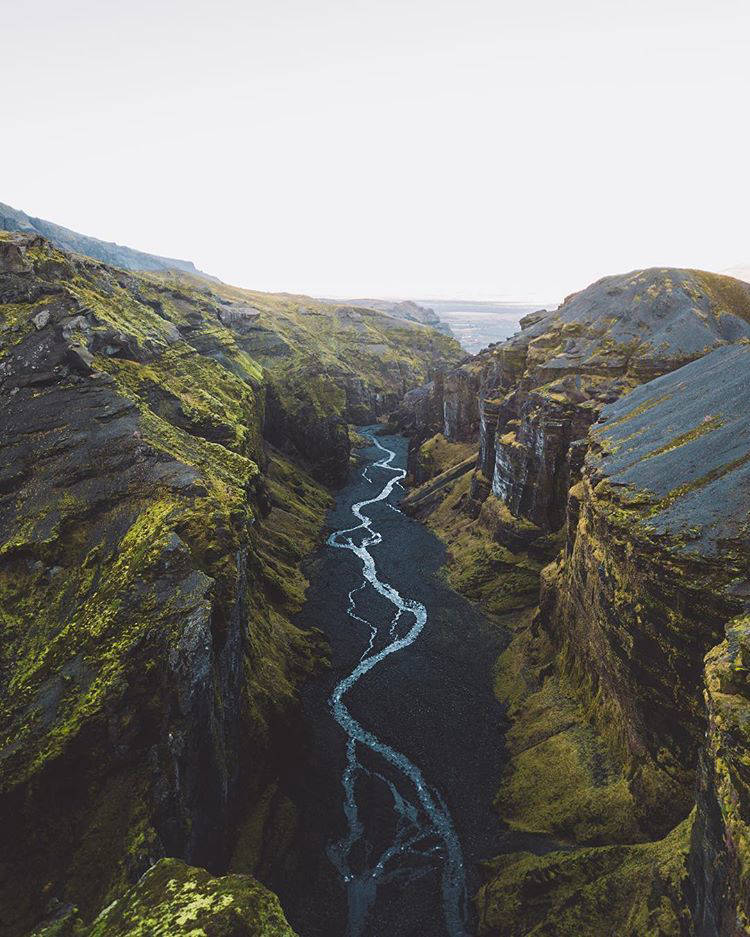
point(174, 899)
point(620, 422)
point(654, 541)
point(721, 837)
point(534, 396)
point(357, 365)
point(150, 542)
point(655, 576)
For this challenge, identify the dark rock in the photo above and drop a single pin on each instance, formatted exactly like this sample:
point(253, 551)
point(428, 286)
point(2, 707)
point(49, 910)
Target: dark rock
point(80, 359)
point(12, 259)
point(656, 538)
point(240, 317)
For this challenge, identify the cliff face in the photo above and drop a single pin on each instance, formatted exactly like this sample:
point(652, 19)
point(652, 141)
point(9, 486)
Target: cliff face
point(333, 365)
point(721, 838)
point(150, 542)
point(601, 342)
point(643, 618)
point(656, 543)
point(532, 397)
point(617, 424)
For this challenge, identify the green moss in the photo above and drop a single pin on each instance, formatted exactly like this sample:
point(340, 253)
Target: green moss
point(175, 900)
point(708, 425)
point(561, 778)
point(726, 294)
point(16, 322)
point(630, 891)
point(439, 454)
point(478, 566)
point(636, 411)
point(696, 484)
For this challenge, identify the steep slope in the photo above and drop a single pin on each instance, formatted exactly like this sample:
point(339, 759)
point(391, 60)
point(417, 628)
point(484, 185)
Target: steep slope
point(609, 732)
point(328, 365)
point(654, 572)
point(125, 257)
point(149, 547)
point(531, 398)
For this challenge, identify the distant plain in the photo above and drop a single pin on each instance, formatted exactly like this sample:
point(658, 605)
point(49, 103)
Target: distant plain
point(477, 324)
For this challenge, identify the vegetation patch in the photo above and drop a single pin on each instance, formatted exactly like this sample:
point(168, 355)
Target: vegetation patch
point(477, 565)
point(636, 890)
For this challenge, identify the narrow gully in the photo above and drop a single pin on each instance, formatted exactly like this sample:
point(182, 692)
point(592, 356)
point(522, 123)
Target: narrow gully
point(384, 811)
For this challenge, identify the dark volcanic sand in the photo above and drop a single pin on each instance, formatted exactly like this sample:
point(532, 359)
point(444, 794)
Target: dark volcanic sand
point(432, 701)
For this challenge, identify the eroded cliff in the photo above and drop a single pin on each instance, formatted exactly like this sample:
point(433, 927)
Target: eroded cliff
point(151, 530)
point(529, 399)
point(616, 704)
point(614, 428)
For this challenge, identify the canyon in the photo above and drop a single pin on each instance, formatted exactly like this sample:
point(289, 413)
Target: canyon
point(250, 685)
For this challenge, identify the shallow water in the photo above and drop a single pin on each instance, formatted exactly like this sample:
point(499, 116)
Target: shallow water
point(402, 739)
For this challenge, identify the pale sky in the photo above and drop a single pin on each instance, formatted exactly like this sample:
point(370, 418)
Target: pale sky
point(487, 149)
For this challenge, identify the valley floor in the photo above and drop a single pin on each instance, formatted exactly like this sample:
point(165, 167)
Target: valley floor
point(433, 701)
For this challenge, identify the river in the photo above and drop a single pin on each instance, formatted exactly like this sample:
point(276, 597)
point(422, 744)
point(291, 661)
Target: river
point(401, 749)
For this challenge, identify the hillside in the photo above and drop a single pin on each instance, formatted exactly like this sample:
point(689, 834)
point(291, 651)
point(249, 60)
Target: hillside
point(407, 309)
point(155, 505)
point(610, 438)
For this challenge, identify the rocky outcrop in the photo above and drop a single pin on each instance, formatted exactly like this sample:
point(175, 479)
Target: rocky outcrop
point(532, 398)
point(408, 309)
point(175, 899)
point(596, 346)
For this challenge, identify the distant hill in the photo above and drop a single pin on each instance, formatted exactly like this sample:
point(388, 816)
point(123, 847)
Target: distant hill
point(740, 271)
point(106, 251)
point(407, 309)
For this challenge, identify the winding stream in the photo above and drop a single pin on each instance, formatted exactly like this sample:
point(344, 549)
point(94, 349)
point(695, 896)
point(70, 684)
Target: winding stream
point(383, 811)
point(424, 831)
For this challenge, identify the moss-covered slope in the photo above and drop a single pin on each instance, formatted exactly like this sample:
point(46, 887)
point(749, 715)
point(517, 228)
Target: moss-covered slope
point(327, 365)
point(613, 721)
point(172, 899)
point(151, 529)
point(148, 568)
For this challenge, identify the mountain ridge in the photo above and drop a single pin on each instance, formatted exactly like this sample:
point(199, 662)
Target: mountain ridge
point(118, 255)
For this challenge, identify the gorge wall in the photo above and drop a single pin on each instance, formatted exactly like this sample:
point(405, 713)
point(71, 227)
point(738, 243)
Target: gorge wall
point(166, 445)
point(531, 397)
point(617, 426)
